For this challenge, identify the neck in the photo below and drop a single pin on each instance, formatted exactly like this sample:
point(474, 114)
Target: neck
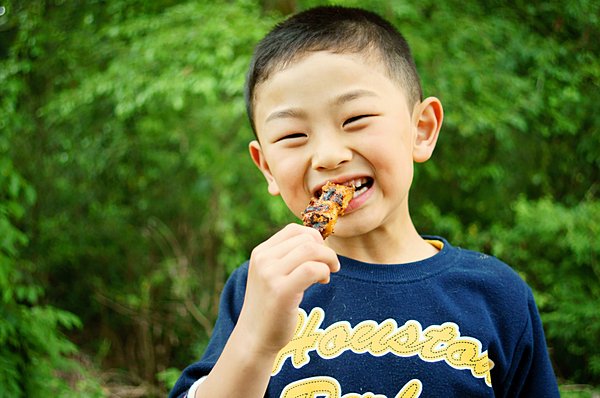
point(396, 245)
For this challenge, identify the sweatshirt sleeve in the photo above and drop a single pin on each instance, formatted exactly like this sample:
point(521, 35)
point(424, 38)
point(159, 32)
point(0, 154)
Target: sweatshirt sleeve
point(230, 306)
point(531, 374)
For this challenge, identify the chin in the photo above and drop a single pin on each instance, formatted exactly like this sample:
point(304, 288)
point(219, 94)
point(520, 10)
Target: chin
point(350, 231)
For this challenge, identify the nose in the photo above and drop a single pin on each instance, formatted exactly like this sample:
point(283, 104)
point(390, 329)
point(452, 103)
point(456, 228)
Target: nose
point(330, 152)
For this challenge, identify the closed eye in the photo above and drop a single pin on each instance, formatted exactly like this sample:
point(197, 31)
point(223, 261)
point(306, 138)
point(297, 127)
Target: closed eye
point(355, 119)
point(291, 137)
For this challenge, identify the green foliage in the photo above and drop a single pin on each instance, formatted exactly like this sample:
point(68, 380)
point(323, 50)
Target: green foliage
point(34, 353)
point(142, 172)
point(127, 191)
point(36, 358)
point(169, 377)
point(578, 391)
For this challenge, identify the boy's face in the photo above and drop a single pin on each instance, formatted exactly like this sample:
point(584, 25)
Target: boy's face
point(340, 118)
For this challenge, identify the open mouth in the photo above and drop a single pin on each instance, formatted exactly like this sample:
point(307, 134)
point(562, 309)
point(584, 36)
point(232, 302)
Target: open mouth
point(361, 185)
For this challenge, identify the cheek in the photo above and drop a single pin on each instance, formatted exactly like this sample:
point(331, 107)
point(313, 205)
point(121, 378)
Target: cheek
point(392, 160)
point(289, 174)
point(286, 170)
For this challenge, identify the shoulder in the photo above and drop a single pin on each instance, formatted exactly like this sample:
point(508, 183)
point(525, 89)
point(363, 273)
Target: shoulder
point(517, 343)
point(521, 358)
point(488, 269)
point(489, 279)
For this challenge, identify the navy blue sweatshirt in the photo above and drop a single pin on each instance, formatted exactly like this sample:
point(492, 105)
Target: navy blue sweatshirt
point(458, 324)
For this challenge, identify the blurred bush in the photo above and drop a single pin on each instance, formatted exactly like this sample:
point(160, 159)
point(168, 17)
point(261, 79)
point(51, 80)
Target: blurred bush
point(33, 348)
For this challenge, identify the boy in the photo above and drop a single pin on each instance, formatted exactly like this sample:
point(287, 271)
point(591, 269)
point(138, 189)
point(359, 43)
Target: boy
point(375, 310)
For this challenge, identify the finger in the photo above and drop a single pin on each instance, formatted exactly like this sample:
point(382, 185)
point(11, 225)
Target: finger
point(284, 248)
point(284, 241)
point(290, 231)
point(307, 252)
point(269, 257)
point(306, 275)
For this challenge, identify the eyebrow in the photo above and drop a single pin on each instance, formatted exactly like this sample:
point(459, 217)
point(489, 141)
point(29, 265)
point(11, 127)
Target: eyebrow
point(286, 113)
point(295, 113)
point(352, 95)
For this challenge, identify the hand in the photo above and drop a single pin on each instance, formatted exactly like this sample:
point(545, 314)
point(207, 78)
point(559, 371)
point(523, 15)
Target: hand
point(280, 270)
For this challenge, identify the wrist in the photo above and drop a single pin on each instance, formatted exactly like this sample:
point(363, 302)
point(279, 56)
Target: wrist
point(246, 369)
point(251, 345)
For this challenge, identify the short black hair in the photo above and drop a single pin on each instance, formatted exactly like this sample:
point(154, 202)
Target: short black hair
point(339, 30)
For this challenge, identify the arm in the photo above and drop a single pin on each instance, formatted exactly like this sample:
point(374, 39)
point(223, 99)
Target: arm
point(280, 270)
point(531, 373)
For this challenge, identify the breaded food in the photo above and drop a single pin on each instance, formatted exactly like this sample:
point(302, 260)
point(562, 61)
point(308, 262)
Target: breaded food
point(322, 213)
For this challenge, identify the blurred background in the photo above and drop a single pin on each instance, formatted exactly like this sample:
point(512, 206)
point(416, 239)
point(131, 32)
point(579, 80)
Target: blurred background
point(127, 195)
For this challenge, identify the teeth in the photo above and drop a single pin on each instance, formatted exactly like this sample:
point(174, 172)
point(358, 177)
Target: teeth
point(358, 183)
point(359, 192)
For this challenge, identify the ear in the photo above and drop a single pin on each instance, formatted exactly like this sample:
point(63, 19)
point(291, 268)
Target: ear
point(427, 119)
point(258, 157)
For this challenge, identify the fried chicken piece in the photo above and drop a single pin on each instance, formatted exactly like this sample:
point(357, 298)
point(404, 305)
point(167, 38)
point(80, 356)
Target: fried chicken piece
point(322, 213)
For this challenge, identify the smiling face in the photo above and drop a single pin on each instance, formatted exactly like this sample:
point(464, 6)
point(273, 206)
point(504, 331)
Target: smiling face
point(340, 118)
